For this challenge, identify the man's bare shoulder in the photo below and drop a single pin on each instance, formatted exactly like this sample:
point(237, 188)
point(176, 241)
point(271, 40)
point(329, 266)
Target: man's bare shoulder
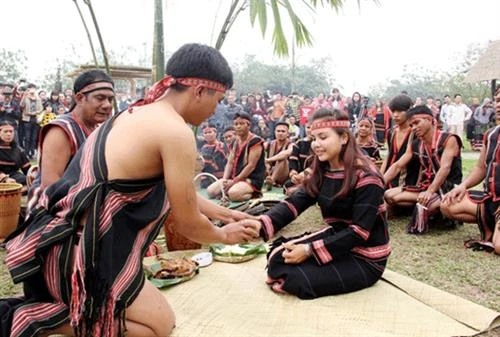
point(159, 121)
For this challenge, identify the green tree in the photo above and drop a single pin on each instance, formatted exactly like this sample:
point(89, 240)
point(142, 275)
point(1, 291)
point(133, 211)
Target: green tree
point(12, 65)
point(259, 12)
point(54, 76)
point(420, 81)
point(254, 76)
point(130, 55)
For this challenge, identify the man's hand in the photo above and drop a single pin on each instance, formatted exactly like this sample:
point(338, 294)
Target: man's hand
point(455, 195)
point(297, 178)
point(235, 216)
point(424, 197)
point(227, 184)
point(294, 254)
point(241, 232)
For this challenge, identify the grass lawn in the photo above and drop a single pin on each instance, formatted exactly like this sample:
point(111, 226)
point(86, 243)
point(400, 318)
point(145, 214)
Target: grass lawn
point(437, 258)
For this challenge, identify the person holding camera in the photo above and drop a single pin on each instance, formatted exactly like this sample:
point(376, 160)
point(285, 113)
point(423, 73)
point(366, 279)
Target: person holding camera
point(31, 106)
point(481, 118)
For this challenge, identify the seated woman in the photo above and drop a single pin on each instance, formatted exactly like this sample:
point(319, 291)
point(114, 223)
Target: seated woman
point(13, 161)
point(351, 252)
point(365, 139)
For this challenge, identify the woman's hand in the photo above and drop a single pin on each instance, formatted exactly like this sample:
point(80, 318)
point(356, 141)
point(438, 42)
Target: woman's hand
point(294, 254)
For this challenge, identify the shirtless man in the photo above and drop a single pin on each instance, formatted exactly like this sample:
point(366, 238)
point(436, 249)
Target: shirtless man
point(245, 169)
point(480, 207)
point(440, 167)
point(116, 194)
point(398, 139)
point(278, 152)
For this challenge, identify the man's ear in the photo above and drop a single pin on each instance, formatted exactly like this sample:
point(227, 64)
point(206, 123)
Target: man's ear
point(198, 91)
point(78, 98)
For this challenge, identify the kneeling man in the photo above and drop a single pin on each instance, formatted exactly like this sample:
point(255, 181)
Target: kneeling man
point(245, 169)
point(440, 168)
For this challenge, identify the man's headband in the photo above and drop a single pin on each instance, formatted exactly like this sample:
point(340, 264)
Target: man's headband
point(160, 87)
point(96, 86)
point(335, 124)
point(422, 115)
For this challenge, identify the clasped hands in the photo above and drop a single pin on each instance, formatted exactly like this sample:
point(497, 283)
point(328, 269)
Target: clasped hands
point(246, 228)
point(241, 228)
point(228, 183)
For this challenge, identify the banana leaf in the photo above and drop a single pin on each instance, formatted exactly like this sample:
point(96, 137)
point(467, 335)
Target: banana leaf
point(150, 270)
point(243, 249)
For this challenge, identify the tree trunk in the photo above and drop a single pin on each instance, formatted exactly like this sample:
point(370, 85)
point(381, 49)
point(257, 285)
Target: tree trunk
point(101, 42)
point(98, 31)
point(88, 33)
point(158, 69)
point(293, 64)
point(230, 18)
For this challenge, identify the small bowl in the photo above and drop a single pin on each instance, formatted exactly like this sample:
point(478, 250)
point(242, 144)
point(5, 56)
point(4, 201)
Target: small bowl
point(203, 259)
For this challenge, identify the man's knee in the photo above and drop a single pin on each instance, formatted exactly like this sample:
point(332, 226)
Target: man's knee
point(239, 193)
point(167, 323)
point(236, 195)
point(389, 197)
point(446, 210)
point(213, 190)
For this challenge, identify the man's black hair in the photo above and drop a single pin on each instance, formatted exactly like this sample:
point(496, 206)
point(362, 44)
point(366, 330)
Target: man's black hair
point(400, 103)
point(209, 126)
point(5, 122)
point(244, 115)
point(200, 61)
point(281, 123)
point(89, 77)
point(457, 95)
point(229, 128)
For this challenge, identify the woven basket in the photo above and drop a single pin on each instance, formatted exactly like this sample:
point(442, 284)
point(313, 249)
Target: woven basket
point(10, 206)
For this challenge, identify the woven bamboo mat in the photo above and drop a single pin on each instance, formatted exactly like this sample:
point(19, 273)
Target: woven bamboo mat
point(233, 300)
